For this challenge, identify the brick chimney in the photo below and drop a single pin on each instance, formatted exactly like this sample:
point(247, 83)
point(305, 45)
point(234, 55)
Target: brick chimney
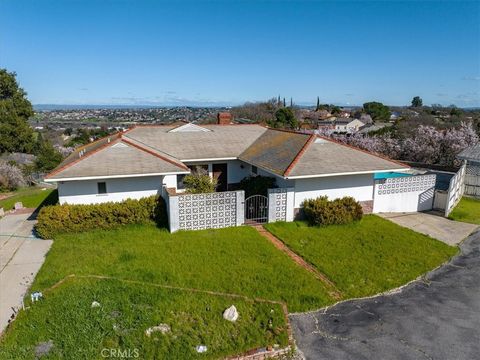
point(224, 118)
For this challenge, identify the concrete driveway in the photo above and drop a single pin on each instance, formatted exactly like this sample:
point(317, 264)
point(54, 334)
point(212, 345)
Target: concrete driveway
point(434, 225)
point(21, 256)
point(436, 318)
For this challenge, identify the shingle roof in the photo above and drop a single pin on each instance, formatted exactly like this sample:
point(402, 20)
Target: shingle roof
point(275, 150)
point(471, 153)
point(324, 157)
point(117, 159)
point(155, 150)
point(223, 141)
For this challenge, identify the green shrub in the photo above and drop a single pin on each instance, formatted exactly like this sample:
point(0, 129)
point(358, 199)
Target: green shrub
point(56, 219)
point(199, 184)
point(257, 185)
point(321, 211)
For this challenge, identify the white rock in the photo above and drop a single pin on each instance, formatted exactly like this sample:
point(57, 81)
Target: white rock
point(18, 205)
point(95, 304)
point(231, 314)
point(2, 212)
point(201, 348)
point(163, 328)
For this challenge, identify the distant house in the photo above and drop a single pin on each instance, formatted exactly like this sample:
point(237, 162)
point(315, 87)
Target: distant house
point(347, 125)
point(394, 115)
point(366, 119)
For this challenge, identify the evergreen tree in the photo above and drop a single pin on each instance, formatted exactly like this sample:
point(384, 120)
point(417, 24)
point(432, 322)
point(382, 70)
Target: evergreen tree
point(15, 109)
point(284, 103)
point(318, 104)
point(47, 157)
point(285, 118)
point(417, 101)
point(291, 102)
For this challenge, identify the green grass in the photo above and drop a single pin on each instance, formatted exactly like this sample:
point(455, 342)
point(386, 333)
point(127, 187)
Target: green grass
point(32, 197)
point(366, 257)
point(78, 331)
point(467, 210)
point(234, 260)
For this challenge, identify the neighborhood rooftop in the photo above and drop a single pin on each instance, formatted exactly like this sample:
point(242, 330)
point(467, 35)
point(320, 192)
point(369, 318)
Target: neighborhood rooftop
point(471, 153)
point(159, 150)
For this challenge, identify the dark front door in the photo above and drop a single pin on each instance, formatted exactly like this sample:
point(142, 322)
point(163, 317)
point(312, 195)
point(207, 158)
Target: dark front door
point(220, 174)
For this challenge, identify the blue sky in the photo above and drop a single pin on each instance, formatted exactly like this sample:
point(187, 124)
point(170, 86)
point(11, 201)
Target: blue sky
point(228, 52)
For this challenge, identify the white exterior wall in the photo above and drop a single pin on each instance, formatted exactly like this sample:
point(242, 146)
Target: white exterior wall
point(359, 187)
point(85, 191)
point(404, 194)
point(235, 171)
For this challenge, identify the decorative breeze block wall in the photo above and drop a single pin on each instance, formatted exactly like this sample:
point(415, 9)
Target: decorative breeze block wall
point(456, 189)
point(280, 204)
point(404, 193)
point(206, 211)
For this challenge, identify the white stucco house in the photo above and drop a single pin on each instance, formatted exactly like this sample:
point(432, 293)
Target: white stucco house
point(144, 160)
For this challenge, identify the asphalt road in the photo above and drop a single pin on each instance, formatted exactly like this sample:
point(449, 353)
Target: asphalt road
point(437, 318)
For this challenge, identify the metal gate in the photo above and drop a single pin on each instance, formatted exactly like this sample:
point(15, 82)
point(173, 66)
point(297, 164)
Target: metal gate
point(256, 209)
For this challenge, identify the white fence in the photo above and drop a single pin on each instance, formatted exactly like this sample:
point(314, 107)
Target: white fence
point(404, 194)
point(205, 211)
point(280, 204)
point(455, 190)
point(472, 180)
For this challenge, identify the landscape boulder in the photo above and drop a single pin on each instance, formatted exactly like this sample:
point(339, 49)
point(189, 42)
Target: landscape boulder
point(95, 304)
point(43, 348)
point(231, 314)
point(18, 205)
point(162, 328)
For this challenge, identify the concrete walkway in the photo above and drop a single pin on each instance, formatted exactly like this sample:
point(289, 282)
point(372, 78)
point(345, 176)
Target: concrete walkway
point(440, 228)
point(21, 256)
point(434, 318)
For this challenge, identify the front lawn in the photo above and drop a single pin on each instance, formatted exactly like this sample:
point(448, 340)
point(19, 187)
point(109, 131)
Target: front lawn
point(467, 210)
point(234, 260)
point(77, 331)
point(31, 197)
point(366, 257)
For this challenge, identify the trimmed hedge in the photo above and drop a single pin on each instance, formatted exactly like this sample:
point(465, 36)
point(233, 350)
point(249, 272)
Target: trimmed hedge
point(56, 219)
point(321, 211)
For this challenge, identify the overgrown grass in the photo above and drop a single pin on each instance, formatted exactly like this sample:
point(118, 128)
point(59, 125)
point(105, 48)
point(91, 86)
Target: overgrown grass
point(467, 210)
point(78, 331)
point(32, 197)
point(234, 260)
point(365, 257)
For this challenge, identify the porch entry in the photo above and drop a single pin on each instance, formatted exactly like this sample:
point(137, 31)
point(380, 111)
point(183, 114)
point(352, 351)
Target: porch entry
point(256, 209)
point(219, 172)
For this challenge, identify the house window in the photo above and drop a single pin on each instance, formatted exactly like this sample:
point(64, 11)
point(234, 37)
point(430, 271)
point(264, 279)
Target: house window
point(254, 170)
point(180, 184)
point(102, 187)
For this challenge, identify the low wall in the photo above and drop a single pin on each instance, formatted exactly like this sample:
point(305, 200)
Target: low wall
point(280, 204)
point(205, 211)
point(455, 190)
point(404, 194)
